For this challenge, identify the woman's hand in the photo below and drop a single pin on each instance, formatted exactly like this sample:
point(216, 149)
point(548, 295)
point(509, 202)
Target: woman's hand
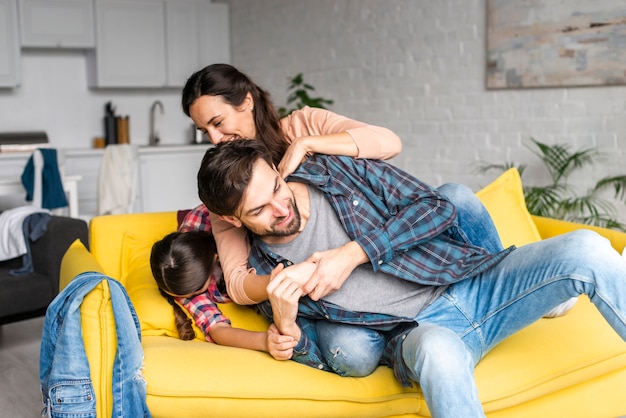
point(299, 273)
point(284, 294)
point(333, 268)
point(295, 154)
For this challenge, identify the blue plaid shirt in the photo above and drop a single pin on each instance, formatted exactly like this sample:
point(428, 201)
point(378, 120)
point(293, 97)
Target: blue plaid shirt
point(406, 228)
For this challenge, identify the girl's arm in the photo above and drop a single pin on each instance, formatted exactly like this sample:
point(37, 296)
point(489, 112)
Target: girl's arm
point(279, 346)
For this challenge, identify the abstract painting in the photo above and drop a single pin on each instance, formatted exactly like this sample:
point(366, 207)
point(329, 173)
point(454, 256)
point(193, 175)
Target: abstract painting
point(543, 43)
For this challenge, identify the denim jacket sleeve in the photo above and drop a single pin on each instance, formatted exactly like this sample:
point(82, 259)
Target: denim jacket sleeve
point(308, 351)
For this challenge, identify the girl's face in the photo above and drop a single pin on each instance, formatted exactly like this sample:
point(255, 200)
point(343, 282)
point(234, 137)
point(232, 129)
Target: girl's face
point(220, 121)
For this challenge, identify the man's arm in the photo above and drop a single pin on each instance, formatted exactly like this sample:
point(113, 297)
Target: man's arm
point(387, 212)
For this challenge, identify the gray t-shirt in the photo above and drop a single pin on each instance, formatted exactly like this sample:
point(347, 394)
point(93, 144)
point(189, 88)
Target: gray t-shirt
point(364, 290)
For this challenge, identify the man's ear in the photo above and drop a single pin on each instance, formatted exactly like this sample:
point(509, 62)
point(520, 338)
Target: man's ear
point(232, 220)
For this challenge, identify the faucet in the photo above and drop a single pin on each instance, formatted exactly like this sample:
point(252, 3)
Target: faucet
point(154, 136)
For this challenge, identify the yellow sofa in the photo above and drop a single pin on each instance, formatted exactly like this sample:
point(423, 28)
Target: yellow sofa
point(572, 366)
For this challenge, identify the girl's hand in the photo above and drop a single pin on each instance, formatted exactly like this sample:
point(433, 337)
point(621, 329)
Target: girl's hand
point(278, 345)
point(295, 154)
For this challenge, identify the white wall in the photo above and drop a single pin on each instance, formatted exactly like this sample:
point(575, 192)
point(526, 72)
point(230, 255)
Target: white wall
point(54, 97)
point(418, 67)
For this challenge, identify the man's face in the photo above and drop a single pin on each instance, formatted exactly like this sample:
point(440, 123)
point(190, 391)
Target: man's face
point(268, 207)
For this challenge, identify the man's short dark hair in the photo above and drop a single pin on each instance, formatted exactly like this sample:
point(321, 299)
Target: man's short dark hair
point(225, 172)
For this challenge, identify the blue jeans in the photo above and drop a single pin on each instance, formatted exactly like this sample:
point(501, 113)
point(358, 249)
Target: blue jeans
point(356, 351)
point(461, 326)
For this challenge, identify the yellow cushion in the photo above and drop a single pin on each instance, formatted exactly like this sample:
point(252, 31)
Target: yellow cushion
point(98, 325)
point(504, 199)
point(81, 261)
point(155, 314)
point(198, 379)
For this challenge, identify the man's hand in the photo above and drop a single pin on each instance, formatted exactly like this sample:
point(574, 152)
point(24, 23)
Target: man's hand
point(333, 268)
point(284, 293)
point(278, 345)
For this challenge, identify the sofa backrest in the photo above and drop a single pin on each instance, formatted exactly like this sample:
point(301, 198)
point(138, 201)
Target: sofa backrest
point(122, 245)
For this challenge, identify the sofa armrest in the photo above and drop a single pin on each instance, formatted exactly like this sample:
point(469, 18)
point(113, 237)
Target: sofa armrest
point(48, 250)
point(549, 227)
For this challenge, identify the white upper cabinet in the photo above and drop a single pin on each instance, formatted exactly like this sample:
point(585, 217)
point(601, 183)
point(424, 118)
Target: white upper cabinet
point(214, 34)
point(10, 64)
point(56, 23)
point(182, 49)
point(130, 44)
point(156, 43)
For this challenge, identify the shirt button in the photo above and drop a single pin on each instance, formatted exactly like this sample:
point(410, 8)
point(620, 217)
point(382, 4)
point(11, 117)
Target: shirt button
point(380, 262)
point(320, 366)
point(355, 202)
point(326, 316)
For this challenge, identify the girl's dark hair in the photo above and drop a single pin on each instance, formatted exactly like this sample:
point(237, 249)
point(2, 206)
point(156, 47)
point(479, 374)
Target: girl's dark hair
point(232, 85)
point(181, 263)
point(225, 172)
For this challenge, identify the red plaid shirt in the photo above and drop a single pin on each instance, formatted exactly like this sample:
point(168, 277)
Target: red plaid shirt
point(203, 307)
point(196, 220)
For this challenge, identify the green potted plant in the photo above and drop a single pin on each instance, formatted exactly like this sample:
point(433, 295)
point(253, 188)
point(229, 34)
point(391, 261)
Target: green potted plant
point(558, 199)
point(299, 97)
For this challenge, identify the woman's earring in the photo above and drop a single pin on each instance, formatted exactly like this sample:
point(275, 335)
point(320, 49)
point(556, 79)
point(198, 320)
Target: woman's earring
point(251, 108)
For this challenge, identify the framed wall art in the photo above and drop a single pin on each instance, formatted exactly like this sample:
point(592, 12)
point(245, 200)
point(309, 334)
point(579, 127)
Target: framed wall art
point(543, 43)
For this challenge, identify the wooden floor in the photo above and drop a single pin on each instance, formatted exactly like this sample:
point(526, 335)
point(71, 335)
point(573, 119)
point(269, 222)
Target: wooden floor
point(19, 369)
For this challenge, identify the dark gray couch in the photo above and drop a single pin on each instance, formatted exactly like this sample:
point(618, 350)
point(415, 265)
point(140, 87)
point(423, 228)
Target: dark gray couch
point(28, 296)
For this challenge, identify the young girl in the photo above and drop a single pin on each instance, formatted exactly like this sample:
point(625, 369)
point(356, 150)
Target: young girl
point(185, 267)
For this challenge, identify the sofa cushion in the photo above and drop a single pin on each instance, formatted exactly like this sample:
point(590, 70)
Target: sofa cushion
point(504, 199)
point(155, 314)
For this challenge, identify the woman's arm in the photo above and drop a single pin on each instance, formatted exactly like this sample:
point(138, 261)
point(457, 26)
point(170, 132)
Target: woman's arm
point(310, 130)
point(320, 131)
point(243, 285)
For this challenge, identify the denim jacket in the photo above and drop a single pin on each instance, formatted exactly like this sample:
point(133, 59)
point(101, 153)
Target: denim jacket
point(66, 386)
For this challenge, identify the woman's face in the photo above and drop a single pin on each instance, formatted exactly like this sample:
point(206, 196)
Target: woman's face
point(220, 121)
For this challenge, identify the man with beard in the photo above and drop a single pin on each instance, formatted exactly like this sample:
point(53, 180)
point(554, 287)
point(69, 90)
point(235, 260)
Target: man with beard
point(406, 261)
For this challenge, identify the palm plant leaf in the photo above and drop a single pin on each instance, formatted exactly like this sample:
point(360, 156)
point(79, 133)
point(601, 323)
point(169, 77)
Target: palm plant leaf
point(585, 206)
point(617, 183)
point(544, 201)
point(560, 162)
point(486, 167)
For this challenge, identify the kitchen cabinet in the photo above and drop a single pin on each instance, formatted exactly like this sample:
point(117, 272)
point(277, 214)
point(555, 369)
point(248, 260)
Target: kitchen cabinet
point(211, 44)
point(10, 63)
point(86, 164)
point(130, 44)
point(56, 23)
point(214, 34)
point(168, 177)
point(156, 43)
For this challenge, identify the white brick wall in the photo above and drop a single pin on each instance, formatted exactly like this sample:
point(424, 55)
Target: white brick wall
point(418, 67)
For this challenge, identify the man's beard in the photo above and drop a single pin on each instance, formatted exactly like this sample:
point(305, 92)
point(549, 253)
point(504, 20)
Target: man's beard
point(285, 231)
point(292, 228)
